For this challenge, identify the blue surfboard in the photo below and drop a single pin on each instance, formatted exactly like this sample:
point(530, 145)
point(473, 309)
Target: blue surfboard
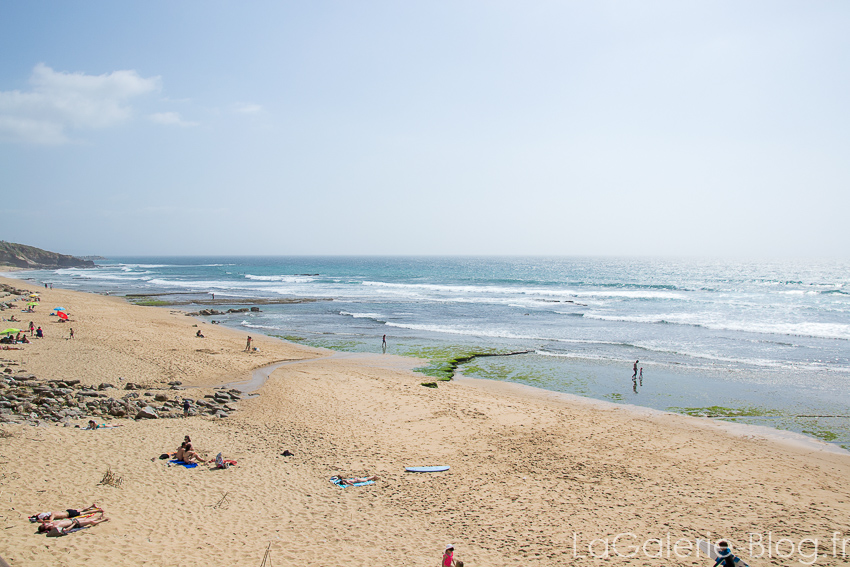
point(427, 469)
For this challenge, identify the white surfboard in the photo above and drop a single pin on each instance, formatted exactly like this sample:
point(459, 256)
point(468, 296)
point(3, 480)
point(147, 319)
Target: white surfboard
point(711, 551)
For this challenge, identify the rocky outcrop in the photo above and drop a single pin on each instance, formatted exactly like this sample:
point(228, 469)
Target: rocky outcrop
point(23, 256)
point(26, 399)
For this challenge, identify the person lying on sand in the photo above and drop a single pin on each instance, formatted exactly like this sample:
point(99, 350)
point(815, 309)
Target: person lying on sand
point(338, 479)
point(64, 514)
point(62, 527)
point(93, 425)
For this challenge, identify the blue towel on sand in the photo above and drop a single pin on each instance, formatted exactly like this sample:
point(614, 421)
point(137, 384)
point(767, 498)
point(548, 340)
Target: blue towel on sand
point(76, 529)
point(185, 464)
point(341, 485)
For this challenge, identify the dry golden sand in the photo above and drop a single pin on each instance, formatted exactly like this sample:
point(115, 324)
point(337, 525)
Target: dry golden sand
point(531, 474)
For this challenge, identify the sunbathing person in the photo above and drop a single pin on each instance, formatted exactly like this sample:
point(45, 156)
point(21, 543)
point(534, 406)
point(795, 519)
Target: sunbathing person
point(338, 479)
point(186, 454)
point(64, 514)
point(63, 527)
point(93, 425)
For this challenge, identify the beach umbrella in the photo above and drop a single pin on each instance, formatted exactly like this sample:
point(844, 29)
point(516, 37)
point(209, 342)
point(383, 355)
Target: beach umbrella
point(62, 315)
point(33, 295)
point(33, 303)
point(59, 309)
point(9, 331)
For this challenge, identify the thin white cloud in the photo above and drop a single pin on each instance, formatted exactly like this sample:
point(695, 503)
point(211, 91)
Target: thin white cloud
point(247, 108)
point(61, 101)
point(171, 119)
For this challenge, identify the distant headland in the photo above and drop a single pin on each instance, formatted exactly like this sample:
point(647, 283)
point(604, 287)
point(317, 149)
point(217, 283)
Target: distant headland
point(30, 257)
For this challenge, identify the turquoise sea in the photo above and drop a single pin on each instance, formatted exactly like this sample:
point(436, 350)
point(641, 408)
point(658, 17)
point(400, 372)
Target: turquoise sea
point(765, 342)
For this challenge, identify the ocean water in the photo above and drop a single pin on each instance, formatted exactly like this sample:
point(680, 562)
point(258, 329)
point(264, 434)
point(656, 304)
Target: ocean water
point(764, 341)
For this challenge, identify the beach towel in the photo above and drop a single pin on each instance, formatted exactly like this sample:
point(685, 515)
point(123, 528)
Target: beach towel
point(337, 481)
point(183, 463)
point(75, 529)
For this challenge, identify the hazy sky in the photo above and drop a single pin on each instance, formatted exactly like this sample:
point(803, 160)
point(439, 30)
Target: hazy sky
point(455, 127)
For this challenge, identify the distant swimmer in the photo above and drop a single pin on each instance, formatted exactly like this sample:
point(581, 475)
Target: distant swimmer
point(634, 375)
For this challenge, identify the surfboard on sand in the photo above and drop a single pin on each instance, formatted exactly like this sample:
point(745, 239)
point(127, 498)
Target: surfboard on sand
point(427, 469)
point(711, 551)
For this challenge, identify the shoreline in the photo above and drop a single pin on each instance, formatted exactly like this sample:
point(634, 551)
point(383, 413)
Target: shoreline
point(535, 475)
point(742, 429)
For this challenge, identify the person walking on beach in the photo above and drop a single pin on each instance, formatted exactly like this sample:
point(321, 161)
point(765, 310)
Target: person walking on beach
point(32, 328)
point(724, 555)
point(448, 558)
point(384, 345)
point(248, 344)
point(634, 375)
point(71, 333)
point(186, 406)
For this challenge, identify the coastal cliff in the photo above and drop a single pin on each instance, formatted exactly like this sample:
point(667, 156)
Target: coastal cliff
point(23, 256)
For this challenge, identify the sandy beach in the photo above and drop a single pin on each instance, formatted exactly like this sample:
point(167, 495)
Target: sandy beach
point(535, 478)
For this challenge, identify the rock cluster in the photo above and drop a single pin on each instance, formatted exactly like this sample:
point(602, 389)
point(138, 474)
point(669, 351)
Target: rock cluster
point(13, 291)
point(207, 312)
point(24, 398)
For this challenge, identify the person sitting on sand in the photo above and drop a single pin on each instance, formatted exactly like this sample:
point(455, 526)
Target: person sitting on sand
point(63, 527)
point(222, 463)
point(187, 454)
point(64, 514)
point(338, 479)
point(199, 334)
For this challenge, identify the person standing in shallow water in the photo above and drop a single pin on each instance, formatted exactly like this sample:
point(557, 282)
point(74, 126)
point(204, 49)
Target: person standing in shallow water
point(384, 345)
point(634, 375)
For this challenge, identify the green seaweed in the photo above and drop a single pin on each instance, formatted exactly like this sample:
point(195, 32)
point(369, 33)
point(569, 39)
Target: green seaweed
point(822, 434)
point(501, 371)
point(152, 303)
point(727, 413)
point(340, 345)
point(290, 338)
point(444, 361)
point(615, 397)
point(429, 384)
